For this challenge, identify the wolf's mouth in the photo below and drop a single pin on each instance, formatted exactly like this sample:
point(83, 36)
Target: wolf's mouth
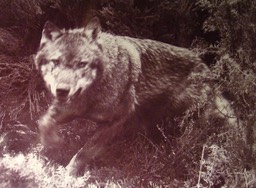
point(71, 98)
point(78, 92)
point(75, 96)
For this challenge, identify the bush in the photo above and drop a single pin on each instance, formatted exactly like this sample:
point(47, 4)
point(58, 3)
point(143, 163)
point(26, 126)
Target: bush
point(194, 153)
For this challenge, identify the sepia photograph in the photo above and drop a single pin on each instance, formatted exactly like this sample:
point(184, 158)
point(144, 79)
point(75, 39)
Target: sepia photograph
point(127, 93)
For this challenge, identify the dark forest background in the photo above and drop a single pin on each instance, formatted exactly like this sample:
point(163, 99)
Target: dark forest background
point(222, 32)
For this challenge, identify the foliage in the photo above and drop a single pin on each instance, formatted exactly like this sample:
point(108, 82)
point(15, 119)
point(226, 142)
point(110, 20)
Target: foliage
point(19, 85)
point(193, 154)
point(235, 70)
point(31, 171)
point(167, 21)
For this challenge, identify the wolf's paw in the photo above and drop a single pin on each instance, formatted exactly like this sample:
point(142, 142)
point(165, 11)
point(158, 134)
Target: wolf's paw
point(51, 139)
point(77, 166)
point(49, 136)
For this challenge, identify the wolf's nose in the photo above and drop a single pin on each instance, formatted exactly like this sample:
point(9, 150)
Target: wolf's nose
point(62, 93)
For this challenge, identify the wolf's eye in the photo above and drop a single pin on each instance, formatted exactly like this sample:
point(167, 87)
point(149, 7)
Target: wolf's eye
point(42, 62)
point(55, 61)
point(82, 64)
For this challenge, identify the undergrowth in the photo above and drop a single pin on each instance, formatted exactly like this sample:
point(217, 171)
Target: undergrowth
point(195, 153)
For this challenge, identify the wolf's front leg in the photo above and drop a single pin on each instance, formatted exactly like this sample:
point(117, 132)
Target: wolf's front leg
point(95, 148)
point(48, 128)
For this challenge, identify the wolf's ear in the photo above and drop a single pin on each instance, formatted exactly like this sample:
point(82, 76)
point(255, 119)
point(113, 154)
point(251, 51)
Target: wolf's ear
point(50, 32)
point(93, 28)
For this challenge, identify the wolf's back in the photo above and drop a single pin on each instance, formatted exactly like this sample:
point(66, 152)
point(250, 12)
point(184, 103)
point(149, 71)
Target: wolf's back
point(164, 77)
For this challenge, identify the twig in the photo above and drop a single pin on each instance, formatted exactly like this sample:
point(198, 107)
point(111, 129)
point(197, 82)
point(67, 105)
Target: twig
point(144, 136)
point(201, 166)
point(2, 120)
point(246, 178)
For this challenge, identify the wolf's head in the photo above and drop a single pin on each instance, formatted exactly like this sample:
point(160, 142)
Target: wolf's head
point(70, 60)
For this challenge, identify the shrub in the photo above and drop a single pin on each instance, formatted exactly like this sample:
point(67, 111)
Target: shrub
point(194, 153)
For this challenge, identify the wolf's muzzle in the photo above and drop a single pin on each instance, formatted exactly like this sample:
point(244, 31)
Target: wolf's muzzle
point(62, 93)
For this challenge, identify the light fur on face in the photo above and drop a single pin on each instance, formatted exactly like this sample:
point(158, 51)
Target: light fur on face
point(67, 63)
point(61, 77)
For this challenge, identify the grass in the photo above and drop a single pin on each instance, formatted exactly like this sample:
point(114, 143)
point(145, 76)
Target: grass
point(32, 170)
point(144, 165)
point(195, 154)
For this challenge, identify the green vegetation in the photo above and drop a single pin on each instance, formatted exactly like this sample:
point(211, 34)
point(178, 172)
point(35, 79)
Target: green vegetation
point(194, 154)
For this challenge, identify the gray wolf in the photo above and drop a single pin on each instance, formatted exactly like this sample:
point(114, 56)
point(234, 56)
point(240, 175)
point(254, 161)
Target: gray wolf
point(115, 81)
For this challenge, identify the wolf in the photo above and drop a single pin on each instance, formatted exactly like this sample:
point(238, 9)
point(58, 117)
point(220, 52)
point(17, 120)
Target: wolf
point(114, 81)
